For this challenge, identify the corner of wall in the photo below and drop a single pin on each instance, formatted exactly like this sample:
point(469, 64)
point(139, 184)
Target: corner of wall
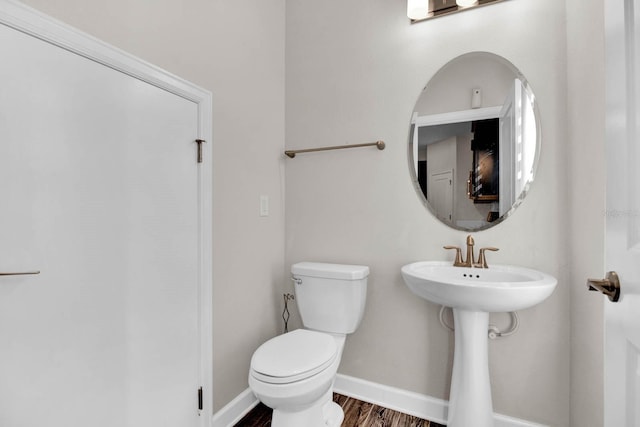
point(586, 116)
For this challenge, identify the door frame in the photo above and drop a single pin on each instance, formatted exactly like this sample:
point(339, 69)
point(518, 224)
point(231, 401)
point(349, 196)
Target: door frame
point(30, 21)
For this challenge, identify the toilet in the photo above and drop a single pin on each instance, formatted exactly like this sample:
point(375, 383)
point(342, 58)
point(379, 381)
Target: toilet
point(294, 373)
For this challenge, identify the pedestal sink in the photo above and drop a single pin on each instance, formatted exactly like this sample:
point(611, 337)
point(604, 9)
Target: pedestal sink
point(473, 293)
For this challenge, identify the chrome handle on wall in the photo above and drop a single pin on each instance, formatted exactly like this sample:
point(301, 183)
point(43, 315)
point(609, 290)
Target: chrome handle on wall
point(610, 286)
point(23, 273)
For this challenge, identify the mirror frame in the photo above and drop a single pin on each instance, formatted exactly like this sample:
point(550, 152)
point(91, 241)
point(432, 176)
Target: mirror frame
point(538, 126)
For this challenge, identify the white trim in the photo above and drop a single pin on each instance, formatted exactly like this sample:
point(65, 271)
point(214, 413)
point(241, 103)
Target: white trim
point(205, 125)
point(30, 21)
point(35, 23)
point(457, 116)
point(233, 411)
point(407, 402)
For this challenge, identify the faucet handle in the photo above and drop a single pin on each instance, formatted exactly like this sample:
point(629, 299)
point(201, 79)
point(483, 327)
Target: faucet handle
point(458, 261)
point(482, 259)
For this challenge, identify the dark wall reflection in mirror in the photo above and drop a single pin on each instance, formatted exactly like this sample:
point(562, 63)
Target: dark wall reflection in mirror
point(472, 164)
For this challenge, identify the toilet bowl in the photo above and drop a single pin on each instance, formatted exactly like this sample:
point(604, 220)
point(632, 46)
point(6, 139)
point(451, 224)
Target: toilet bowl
point(294, 373)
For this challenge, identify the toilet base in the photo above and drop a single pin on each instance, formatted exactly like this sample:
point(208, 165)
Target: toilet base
point(334, 415)
point(323, 413)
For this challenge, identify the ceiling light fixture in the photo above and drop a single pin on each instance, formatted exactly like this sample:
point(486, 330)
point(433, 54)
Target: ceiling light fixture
point(417, 9)
point(420, 10)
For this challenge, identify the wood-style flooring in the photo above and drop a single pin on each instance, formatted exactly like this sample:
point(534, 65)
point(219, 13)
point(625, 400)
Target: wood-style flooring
point(356, 414)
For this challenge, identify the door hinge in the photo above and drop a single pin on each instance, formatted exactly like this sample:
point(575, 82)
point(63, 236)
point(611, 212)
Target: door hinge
point(199, 142)
point(200, 399)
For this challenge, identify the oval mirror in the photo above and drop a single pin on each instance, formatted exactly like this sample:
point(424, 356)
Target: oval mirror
point(474, 141)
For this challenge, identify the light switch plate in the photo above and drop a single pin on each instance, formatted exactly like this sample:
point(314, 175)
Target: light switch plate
point(264, 205)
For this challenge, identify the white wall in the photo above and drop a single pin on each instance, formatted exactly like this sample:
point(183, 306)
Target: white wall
point(452, 86)
point(354, 72)
point(236, 50)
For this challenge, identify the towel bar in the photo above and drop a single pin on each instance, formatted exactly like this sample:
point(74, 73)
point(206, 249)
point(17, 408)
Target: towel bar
point(292, 153)
point(23, 273)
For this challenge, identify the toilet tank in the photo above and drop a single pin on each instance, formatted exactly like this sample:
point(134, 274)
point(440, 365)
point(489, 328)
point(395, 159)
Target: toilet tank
point(330, 297)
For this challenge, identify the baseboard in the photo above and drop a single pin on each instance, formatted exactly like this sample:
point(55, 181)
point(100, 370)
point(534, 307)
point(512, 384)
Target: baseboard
point(233, 411)
point(407, 402)
point(416, 404)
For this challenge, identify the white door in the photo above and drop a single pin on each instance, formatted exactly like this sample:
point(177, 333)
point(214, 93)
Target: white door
point(622, 318)
point(99, 191)
point(441, 195)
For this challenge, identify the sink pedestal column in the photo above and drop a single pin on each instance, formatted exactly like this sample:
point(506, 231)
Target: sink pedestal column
point(470, 397)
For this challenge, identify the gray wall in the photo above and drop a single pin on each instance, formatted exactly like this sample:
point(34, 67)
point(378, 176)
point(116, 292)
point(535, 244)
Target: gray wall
point(354, 72)
point(586, 150)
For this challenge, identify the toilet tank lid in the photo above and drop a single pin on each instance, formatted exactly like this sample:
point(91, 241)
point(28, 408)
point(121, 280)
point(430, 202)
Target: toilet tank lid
point(330, 271)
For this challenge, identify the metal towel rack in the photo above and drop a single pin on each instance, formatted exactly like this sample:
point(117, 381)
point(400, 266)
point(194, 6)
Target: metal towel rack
point(23, 273)
point(292, 153)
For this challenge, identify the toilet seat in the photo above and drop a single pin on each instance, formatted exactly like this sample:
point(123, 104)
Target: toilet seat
point(293, 357)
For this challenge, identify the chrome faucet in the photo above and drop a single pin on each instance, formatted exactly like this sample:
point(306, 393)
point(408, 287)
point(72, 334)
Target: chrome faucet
point(470, 258)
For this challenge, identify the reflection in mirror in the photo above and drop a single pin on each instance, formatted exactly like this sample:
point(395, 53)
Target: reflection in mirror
point(472, 166)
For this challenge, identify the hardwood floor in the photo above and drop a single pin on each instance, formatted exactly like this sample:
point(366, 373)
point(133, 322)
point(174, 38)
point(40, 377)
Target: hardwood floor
point(356, 414)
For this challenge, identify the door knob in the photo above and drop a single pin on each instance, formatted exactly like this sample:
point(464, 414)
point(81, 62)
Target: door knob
point(609, 286)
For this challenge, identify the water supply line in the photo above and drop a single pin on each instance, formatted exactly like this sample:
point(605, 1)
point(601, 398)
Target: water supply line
point(493, 332)
point(285, 312)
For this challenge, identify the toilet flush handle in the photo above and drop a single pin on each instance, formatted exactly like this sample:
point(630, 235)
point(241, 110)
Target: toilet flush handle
point(296, 280)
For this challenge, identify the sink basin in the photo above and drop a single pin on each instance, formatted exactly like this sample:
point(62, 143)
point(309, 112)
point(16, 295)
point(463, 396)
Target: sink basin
point(473, 293)
point(494, 289)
